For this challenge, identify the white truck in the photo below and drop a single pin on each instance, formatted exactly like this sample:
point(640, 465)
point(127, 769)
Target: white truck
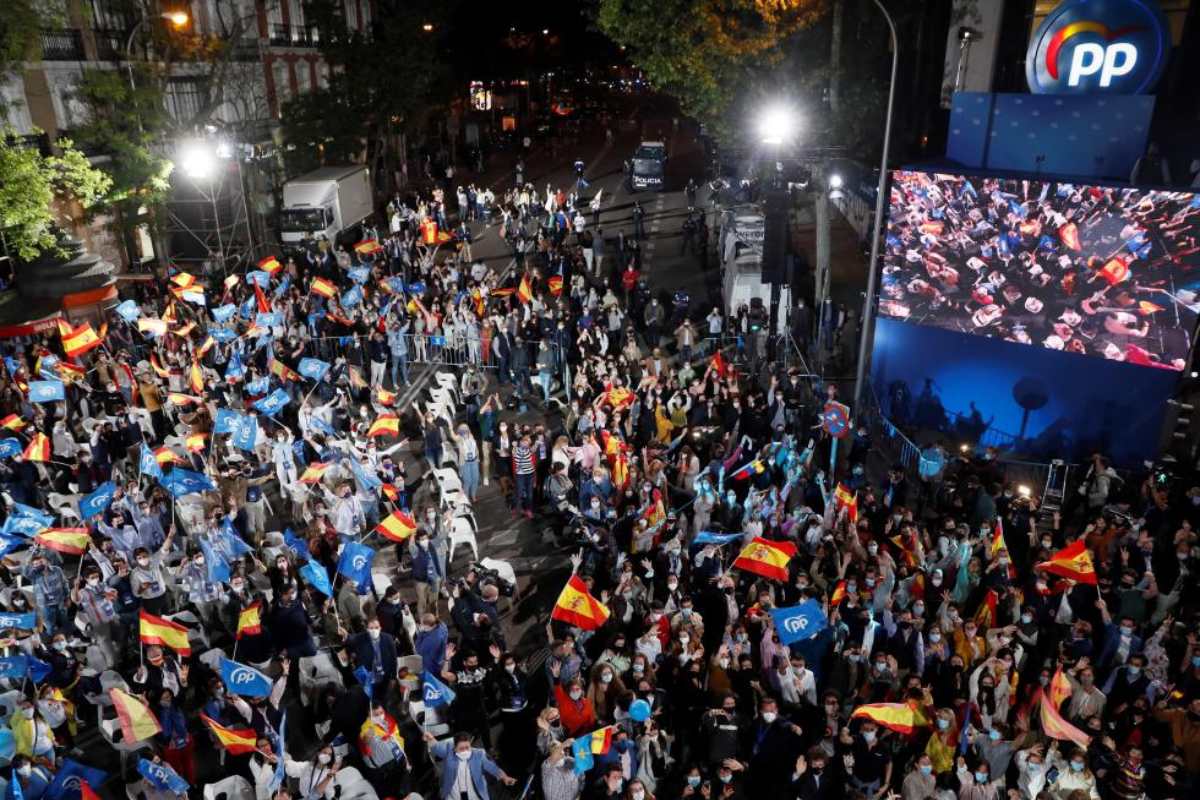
point(329, 202)
point(742, 283)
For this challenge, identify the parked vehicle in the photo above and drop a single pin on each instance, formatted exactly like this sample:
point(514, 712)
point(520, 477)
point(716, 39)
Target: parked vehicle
point(329, 202)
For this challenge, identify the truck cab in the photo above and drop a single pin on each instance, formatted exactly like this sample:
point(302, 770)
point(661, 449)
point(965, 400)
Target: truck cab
point(329, 203)
point(647, 168)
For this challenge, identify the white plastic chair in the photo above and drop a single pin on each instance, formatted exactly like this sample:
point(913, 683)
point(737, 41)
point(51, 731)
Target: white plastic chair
point(448, 479)
point(353, 785)
point(463, 533)
point(110, 730)
point(428, 719)
point(196, 633)
point(448, 381)
point(316, 671)
point(235, 787)
point(8, 705)
point(212, 659)
point(381, 581)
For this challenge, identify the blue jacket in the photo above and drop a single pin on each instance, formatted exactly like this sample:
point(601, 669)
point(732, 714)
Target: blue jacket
point(431, 647)
point(363, 650)
point(478, 763)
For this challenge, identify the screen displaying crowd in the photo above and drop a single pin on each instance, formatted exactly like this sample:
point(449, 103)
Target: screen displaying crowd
point(1093, 270)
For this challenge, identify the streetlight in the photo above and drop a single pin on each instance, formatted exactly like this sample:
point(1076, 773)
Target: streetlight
point(776, 125)
point(197, 160)
point(868, 317)
point(835, 181)
point(427, 27)
point(178, 19)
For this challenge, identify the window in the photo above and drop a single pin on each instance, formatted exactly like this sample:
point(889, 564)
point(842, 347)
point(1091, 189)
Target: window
point(283, 87)
point(186, 97)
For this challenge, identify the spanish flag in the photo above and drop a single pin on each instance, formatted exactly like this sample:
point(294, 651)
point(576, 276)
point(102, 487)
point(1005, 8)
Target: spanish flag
point(38, 448)
point(384, 397)
point(654, 513)
point(844, 498)
point(197, 377)
point(64, 327)
point(1054, 726)
point(1060, 688)
point(555, 284)
point(138, 722)
point(80, 341)
point(1073, 561)
point(72, 541)
point(322, 287)
point(181, 399)
point(388, 732)
point(250, 620)
point(195, 442)
point(356, 379)
point(839, 593)
point(264, 305)
point(985, 616)
point(71, 373)
point(185, 330)
point(184, 280)
point(525, 289)
point(619, 397)
point(367, 247)
point(719, 365)
point(1115, 270)
point(156, 630)
point(505, 292)
point(238, 741)
point(898, 717)
point(755, 467)
point(397, 527)
point(154, 326)
point(766, 558)
point(158, 368)
point(385, 425)
point(165, 455)
point(13, 423)
point(208, 344)
point(576, 607)
point(390, 492)
point(314, 472)
point(270, 265)
point(169, 314)
point(998, 539)
point(282, 370)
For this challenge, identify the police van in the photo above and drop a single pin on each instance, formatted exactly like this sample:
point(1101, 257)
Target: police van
point(648, 167)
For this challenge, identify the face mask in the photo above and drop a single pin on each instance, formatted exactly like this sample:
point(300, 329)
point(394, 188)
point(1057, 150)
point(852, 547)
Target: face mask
point(93, 582)
point(943, 724)
point(926, 769)
point(936, 581)
point(1033, 768)
point(935, 637)
point(868, 736)
point(1077, 766)
point(59, 645)
point(726, 778)
point(143, 562)
point(769, 716)
point(1135, 671)
point(672, 586)
point(639, 667)
point(1047, 544)
point(25, 770)
point(684, 639)
point(374, 632)
point(693, 781)
point(463, 755)
point(1196, 661)
point(919, 610)
point(1027, 618)
point(237, 587)
point(606, 677)
point(724, 662)
point(981, 777)
point(687, 612)
point(199, 561)
point(27, 713)
point(576, 694)
point(994, 735)
point(637, 795)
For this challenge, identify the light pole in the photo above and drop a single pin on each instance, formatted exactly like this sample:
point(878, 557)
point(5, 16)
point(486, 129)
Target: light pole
point(776, 126)
point(868, 317)
point(176, 18)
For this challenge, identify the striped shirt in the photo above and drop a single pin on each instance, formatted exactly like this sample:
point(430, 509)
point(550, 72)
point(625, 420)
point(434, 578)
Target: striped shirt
point(522, 457)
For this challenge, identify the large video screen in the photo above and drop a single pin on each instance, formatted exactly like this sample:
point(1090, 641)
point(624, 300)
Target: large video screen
point(1094, 270)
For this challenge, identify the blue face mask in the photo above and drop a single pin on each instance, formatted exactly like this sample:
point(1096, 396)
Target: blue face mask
point(981, 777)
point(1077, 766)
point(943, 724)
point(926, 769)
point(1196, 661)
point(994, 735)
point(1135, 671)
point(693, 781)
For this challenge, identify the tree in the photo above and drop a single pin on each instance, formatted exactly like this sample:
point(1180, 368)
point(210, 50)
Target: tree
point(371, 98)
point(706, 53)
point(31, 182)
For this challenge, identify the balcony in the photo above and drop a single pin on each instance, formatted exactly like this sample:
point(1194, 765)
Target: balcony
point(110, 44)
point(62, 45)
point(294, 36)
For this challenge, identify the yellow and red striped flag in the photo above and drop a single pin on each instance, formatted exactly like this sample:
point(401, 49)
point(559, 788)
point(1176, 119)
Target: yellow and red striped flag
point(390, 492)
point(181, 399)
point(397, 527)
point(766, 558)
point(322, 287)
point(367, 247)
point(184, 280)
point(385, 425)
point(138, 722)
point(385, 397)
point(998, 540)
point(38, 448)
point(575, 606)
point(282, 370)
point(165, 455)
point(525, 289)
point(195, 442)
point(157, 327)
point(80, 341)
point(898, 717)
point(1059, 689)
point(158, 368)
point(197, 377)
point(250, 620)
point(1074, 561)
point(844, 498)
point(156, 630)
point(238, 741)
point(270, 265)
point(839, 593)
point(13, 423)
point(208, 344)
point(71, 373)
point(1054, 726)
point(72, 541)
point(315, 472)
point(185, 330)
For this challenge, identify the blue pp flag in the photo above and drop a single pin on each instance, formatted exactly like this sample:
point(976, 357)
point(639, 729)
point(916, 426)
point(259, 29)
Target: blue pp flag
point(235, 368)
point(355, 563)
point(317, 577)
point(581, 750)
point(225, 421)
point(10, 447)
point(360, 275)
point(129, 311)
point(13, 667)
point(365, 479)
point(8, 545)
point(148, 464)
point(259, 386)
point(244, 433)
point(798, 623)
point(364, 678)
point(435, 693)
point(22, 510)
point(223, 313)
point(98, 501)
point(22, 622)
point(352, 297)
point(709, 537)
point(65, 785)
point(182, 482)
point(268, 319)
point(313, 368)
point(416, 287)
point(243, 680)
point(261, 277)
point(273, 403)
point(321, 426)
point(46, 391)
point(222, 335)
point(215, 563)
point(297, 545)
point(161, 776)
point(283, 285)
point(22, 526)
point(14, 792)
point(281, 765)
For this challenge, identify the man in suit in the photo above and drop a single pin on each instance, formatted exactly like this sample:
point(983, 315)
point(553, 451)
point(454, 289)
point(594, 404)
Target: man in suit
point(809, 778)
point(457, 783)
point(376, 651)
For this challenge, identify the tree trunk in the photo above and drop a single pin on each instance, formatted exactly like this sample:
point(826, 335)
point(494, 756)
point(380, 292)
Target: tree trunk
point(835, 58)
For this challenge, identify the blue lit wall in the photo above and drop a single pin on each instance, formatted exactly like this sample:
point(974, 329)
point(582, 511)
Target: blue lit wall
point(1092, 403)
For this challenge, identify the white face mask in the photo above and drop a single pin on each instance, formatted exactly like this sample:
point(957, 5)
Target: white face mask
point(769, 716)
point(324, 758)
point(463, 755)
point(143, 562)
point(374, 632)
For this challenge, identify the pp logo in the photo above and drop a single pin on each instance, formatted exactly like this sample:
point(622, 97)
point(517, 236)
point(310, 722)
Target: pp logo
point(71, 783)
point(1099, 46)
point(795, 624)
point(241, 676)
point(432, 693)
point(359, 562)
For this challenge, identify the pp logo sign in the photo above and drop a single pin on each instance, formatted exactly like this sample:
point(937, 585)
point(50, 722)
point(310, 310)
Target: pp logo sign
point(432, 693)
point(241, 676)
point(795, 624)
point(359, 562)
point(1099, 46)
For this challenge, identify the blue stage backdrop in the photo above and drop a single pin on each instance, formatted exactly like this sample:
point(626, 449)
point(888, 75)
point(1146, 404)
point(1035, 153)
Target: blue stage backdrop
point(1031, 401)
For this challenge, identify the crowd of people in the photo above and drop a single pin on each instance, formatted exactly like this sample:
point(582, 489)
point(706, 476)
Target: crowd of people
point(235, 465)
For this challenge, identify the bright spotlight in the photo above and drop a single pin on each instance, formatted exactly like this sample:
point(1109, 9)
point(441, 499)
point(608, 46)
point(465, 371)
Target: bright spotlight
point(197, 160)
point(177, 18)
point(776, 125)
point(835, 181)
point(1024, 490)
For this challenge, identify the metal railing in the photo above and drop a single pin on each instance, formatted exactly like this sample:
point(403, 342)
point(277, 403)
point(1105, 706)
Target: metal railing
point(62, 45)
point(110, 44)
point(294, 36)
